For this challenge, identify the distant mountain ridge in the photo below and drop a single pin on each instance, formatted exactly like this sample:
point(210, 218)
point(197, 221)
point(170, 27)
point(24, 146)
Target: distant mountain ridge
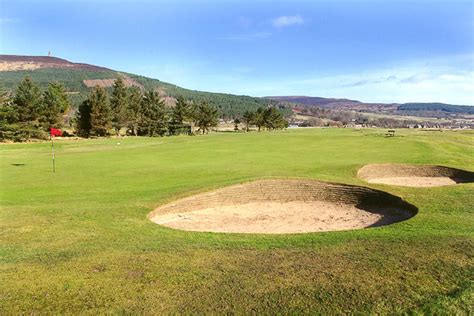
point(348, 104)
point(311, 100)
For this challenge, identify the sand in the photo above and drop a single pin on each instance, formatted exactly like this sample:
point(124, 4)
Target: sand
point(272, 217)
point(414, 175)
point(282, 207)
point(416, 182)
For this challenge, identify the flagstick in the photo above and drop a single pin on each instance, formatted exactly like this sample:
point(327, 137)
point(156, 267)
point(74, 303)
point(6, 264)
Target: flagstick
point(52, 152)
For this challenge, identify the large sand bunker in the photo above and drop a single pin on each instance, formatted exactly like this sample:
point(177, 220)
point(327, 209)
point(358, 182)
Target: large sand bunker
point(284, 206)
point(414, 175)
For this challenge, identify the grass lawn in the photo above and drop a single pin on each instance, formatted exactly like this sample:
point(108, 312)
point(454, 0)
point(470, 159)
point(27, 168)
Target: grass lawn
point(79, 240)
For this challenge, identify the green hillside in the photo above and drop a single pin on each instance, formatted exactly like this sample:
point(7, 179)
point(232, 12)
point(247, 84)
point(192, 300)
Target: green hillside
point(230, 106)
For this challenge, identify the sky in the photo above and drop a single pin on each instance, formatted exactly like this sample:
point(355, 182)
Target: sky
point(369, 50)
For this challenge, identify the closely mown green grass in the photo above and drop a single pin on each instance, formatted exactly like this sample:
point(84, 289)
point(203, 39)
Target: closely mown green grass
point(79, 240)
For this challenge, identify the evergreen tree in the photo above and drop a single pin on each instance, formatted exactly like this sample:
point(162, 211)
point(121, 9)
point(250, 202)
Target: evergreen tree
point(269, 118)
point(100, 112)
point(27, 101)
point(236, 124)
point(26, 106)
point(180, 114)
point(273, 119)
point(119, 105)
point(205, 117)
point(259, 118)
point(153, 115)
point(182, 110)
point(83, 119)
point(134, 110)
point(55, 103)
point(8, 118)
point(248, 119)
point(4, 98)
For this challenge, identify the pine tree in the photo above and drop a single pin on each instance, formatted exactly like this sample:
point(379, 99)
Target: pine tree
point(134, 110)
point(26, 107)
point(8, 118)
point(27, 100)
point(206, 117)
point(153, 115)
point(273, 119)
point(236, 124)
point(259, 118)
point(181, 113)
point(83, 119)
point(269, 118)
point(55, 103)
point(4, 98)
point(119, 105)
point(182, 110)
point(100, 112)
point(248, 119)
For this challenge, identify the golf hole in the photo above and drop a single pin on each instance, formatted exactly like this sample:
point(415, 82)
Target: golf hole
point(284, 206)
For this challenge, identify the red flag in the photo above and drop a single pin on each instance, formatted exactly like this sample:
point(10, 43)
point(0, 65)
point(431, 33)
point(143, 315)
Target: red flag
point(55, 132)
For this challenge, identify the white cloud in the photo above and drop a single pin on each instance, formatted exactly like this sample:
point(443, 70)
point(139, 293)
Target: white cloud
point(409, 85)
point(287, 20)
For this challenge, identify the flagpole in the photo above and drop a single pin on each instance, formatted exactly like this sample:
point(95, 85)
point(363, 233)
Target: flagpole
point(52, 152)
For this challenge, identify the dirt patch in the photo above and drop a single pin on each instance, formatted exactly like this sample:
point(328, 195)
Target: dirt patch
point(107, 83)
point(284, 206)
point(414, 175)
point(15, 66)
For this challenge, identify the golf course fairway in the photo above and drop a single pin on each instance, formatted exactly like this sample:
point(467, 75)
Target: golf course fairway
point(79, 240)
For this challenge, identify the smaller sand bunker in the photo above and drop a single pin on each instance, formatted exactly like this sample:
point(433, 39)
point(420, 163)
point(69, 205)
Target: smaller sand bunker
point(284, 206)
point(414, 175)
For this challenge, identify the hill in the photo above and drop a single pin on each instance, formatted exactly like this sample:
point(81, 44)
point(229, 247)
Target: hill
point(17, 62)
point(312, 100)
point(79, 78)
point(417, 109)
point(450, 108)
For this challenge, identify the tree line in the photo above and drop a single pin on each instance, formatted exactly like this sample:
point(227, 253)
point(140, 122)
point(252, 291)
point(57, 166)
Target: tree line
point(264, 118)
point(30, 113)
point(141, 114)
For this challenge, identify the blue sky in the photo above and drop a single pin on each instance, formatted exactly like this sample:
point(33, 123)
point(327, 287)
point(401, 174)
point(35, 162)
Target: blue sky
point(375, 51)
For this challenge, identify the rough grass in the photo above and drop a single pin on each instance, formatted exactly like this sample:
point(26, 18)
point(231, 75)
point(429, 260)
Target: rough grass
point(79, 240)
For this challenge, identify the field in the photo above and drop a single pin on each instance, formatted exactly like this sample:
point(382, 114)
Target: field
point(79, 240)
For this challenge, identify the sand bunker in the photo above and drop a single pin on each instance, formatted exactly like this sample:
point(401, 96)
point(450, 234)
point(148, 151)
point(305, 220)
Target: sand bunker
point(414, 175)
point(284, 206)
